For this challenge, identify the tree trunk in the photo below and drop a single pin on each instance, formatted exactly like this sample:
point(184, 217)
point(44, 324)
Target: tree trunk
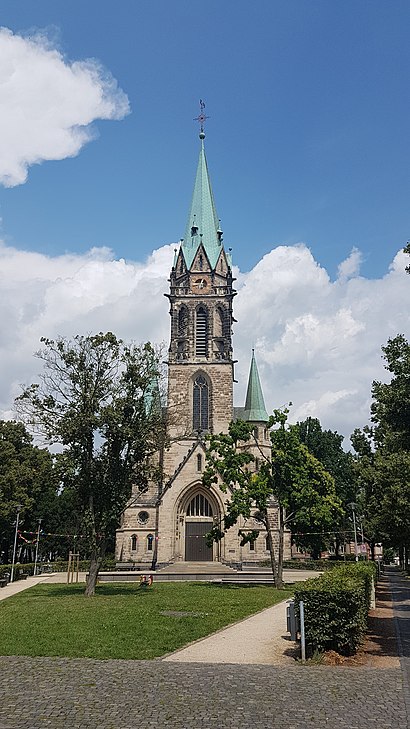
point(95, 565)
point(401, 556)
point(279, 581)
point(337, 546)
point(271, 550)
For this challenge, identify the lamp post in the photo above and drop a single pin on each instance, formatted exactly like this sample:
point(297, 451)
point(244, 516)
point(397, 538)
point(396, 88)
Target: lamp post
point(38, 539)
point(353, 506)
point(15, 542)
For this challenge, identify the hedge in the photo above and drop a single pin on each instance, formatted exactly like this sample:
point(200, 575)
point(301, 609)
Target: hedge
point(19, 569)
point(336, 606)
point(60, 566)
point(318, 565)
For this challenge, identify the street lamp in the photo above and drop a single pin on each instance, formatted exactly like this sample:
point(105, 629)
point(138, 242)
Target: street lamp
point(353, 506)
point(38, 539)
point(15, 542)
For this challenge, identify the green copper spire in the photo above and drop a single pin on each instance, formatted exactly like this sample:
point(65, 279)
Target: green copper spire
point(255, 410)
point(203, 223)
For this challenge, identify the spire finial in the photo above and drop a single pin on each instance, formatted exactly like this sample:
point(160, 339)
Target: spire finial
point(201, 119)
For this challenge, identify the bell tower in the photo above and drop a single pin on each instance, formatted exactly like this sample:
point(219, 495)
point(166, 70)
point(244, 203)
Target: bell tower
point(200, 364)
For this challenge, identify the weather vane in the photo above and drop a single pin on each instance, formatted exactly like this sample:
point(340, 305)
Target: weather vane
point(201, 118)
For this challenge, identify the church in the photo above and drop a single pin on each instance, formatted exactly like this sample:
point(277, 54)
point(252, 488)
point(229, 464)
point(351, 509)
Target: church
point(166, 523)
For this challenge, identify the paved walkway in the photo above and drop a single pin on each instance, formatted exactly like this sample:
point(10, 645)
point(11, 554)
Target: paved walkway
point(85, 694)
point(260, 639)
point(400, 589)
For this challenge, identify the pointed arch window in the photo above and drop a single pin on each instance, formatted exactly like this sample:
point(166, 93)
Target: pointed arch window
point(201, 339)
point(199, 506)
point(200, 404)
point(150, 542)
point(134, 543)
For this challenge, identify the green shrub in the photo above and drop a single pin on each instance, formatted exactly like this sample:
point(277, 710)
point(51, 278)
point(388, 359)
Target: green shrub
point(316, 565)
point(336, 606)
point(59, 566)
point(19, 569)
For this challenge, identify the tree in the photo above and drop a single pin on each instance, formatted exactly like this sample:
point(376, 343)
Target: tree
point(98, 400)
point(327, 447)
point(390, 409)
point(291, 478)
point(383, 452)
point(26, 479)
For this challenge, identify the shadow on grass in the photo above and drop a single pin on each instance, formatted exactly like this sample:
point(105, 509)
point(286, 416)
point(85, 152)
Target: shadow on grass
point(235, 586)
point(101, 590)
point(135, 590)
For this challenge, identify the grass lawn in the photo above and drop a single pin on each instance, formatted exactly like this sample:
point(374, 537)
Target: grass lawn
point(122, 621)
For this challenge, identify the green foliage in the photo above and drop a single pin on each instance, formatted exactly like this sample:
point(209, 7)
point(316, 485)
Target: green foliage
point(388, 555)
point(98, 398)
point(57, 566)
point(391, 401)
point(19, 570)
point(122, 621)
point(27, 479)
point(336, 606)
point(327, 447)
point(289, 476)
point(383, 452)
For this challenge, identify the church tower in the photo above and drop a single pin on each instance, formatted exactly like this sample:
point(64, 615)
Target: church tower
point(200, 366)
point(166, 520)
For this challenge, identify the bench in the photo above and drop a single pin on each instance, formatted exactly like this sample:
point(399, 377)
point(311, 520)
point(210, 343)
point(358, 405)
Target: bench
point(23, 576)
point(44, 569)
point(3, 581)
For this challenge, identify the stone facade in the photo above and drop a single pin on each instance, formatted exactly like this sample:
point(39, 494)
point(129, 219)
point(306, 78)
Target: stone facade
point(167, 521)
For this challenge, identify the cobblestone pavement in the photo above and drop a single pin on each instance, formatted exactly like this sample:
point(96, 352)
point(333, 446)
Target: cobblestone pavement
point(38, 693)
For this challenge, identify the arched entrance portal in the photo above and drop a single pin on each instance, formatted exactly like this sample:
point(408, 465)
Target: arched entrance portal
point(200, 512)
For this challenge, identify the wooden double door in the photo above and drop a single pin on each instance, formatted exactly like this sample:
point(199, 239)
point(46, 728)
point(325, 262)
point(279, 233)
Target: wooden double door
point(196, 548)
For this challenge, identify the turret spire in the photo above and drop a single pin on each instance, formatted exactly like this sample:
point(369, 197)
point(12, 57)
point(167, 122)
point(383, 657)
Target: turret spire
point(255, 411)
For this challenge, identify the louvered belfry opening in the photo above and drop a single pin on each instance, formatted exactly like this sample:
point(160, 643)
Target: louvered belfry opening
point(201, 340)
point(201, 404)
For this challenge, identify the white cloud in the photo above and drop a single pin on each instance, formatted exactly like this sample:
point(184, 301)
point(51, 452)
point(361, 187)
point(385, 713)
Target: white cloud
point(48, 104)
point(317, 342)
point(351, 265)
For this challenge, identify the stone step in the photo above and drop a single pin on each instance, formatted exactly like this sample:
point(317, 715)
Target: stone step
point(209, 568)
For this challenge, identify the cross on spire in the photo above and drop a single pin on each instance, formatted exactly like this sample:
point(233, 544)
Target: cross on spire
point(201, 118)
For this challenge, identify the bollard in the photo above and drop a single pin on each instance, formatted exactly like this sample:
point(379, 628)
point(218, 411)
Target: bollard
point(302, 632)
point(372, 596)
point(291, 620)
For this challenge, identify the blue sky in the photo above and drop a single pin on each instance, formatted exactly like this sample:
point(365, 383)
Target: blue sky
point(308, 150)
point(308, 136)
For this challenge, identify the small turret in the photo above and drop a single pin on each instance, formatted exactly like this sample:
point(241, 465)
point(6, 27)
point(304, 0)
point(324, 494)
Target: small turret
point(255, 411)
